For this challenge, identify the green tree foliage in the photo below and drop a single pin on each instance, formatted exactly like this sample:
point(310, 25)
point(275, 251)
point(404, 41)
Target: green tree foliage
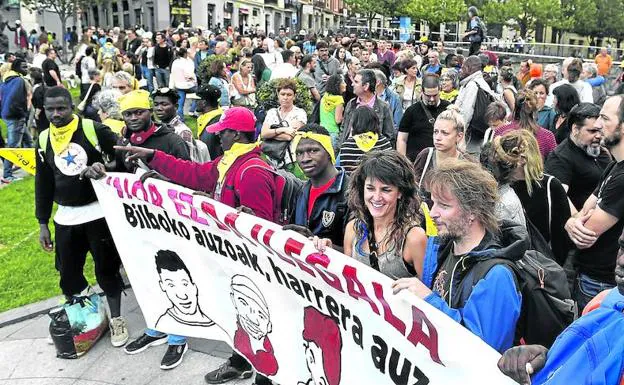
point(64, 9)
point(527, 13)
point(371, 8)
point(435, 11)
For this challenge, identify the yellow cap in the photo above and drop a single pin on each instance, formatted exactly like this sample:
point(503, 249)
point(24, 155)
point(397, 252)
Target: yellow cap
point(135, 99)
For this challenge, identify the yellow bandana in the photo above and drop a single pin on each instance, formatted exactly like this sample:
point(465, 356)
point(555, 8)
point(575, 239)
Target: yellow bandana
point(61, 136)
point(230, 156)
point(324, 140)
point(202, 120)
point(135, 99)
point(330, 102)
point(366, 141)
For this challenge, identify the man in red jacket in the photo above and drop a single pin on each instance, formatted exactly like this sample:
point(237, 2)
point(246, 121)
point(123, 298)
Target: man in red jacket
point(222, 178)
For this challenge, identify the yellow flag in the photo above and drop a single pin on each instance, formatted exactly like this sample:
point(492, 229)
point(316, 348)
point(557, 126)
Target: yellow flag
point(21, 157)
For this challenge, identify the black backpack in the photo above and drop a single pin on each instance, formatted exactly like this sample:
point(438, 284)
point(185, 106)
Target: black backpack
point(478, 125)
point(547, 306)
point(287, 188)
point(78, 68)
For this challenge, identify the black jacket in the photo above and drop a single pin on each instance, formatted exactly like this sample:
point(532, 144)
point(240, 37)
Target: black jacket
point(330, 213)
point(57, 178)
point(164, 139)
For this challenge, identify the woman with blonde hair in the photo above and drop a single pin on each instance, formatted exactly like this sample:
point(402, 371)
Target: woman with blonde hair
point(448, 143)
point(243, 89)
point(543, 197)
point(525, 118)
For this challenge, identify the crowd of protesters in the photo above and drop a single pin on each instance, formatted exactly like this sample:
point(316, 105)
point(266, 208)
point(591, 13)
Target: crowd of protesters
point(386, 137)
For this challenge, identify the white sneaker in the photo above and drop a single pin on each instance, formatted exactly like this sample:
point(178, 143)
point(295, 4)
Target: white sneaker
point(119, 331)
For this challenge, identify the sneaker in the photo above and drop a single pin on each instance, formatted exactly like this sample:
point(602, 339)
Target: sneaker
point(119, 331)
point(9, 179)
point(227, 372)
point(144, 342)
point(173, 356)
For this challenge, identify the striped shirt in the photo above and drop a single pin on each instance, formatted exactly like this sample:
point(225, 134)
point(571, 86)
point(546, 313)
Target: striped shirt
point(350, 154)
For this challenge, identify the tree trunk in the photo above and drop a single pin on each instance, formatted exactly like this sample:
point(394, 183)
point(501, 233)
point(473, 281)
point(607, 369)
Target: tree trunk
point(63, 27)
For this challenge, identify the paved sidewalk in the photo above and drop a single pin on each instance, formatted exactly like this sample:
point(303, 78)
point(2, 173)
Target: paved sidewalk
point(26, 358)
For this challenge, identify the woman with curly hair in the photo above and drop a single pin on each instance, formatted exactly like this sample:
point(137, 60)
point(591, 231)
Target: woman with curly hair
point(525, 118)
point(386, 232)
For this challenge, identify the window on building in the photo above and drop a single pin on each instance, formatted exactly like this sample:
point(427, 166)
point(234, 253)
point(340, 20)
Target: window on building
point(125, 5)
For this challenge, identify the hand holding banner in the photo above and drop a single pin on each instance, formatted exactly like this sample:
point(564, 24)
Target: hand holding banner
point(200, 268)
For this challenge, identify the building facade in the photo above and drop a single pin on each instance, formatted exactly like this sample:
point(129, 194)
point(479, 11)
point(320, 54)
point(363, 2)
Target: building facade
point(268, 15)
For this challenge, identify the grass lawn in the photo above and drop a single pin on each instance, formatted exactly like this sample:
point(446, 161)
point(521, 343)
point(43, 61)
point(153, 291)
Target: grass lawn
point(27, 274)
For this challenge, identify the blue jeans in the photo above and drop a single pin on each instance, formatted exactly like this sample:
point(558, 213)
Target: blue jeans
point(182, 100)
point(586, 289)
point(148, 74)
point(17, 137)
point(172, 339)
point(162, 77)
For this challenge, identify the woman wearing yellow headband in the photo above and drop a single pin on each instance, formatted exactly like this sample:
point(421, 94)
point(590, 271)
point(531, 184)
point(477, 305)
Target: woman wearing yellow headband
point(386, 232)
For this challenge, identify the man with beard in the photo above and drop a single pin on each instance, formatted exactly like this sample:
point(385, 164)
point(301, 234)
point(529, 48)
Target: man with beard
point(591, 350)
point(579, 161)
point(463, 196)
point(416, 127)
point(326, 66)
point(306, 75)
point(596, 228)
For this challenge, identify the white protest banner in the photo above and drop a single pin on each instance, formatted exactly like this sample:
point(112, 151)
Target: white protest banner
point(201, 269)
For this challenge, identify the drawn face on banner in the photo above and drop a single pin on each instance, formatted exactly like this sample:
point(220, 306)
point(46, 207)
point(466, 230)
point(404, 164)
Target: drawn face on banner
point(180, 290)
point(314, 360)
point(252, 311)
point(323, 345)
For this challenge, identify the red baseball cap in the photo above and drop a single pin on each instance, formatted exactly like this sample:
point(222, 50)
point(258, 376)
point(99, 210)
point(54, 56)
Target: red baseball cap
point(235, 118)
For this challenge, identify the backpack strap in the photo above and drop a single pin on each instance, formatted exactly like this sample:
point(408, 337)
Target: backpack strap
point(89, 131)
point(43, 143)
point(240, 172)
point(422, 176)
point(87, 127)
point(476, 273)
point(548, 196)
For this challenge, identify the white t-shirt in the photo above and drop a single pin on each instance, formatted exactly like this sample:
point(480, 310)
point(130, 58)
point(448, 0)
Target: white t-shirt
point(295, 115)
point(284, 71)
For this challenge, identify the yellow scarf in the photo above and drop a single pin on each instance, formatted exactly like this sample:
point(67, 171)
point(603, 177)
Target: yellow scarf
point(324, 140)
point(366, 141)
point(61, 136)
point(202, 120)
point(114, 124)
point(230, 156)
point(10, 73)
point(448, 96)
point(330, 102)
